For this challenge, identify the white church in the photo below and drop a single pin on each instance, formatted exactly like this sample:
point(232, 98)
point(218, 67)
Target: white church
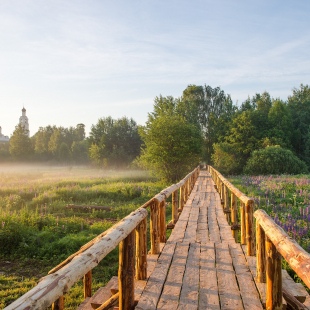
point(23, 121)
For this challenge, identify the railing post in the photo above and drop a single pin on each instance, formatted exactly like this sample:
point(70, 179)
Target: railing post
point(162, 221)
point(154, 231)
point(250, 237)
point(87, 280)
point(234, 220)
point(126, 272)
point(242, 222)
point(274, 277)
point(175, 206)
point(141, 250)
point(227, 210)
point(182, 197)
point(260, 254)
point(59, 304)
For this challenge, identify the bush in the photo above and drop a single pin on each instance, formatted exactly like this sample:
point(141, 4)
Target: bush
point(274, 160)
point(225, 158)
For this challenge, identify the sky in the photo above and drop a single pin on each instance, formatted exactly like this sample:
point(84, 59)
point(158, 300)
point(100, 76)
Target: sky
point(75, 61)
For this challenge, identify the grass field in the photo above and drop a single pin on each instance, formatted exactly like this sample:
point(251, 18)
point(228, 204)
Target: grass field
point(38, 231)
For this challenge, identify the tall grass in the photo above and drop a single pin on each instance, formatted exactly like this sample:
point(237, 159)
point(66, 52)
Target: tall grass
point(36, 227)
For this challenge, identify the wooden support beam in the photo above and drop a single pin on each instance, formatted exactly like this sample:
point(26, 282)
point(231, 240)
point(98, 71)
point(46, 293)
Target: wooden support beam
point(273, 277)
point(126, 272)
point(87, 281)
point(175, 206)
point(162, 221)
point(59, 304)
point(260, 254)
point(141, 250)
point(250, 232)
point(242, 220)
point(154, 230)
point(234, 218)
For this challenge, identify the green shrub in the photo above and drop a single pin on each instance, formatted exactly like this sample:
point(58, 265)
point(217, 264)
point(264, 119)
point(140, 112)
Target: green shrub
point(224, 158)
point(274, 160)
point(11, 236)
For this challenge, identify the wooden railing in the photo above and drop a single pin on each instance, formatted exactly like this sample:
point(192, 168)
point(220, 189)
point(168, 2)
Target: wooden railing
point(272, 242)
point(231, 197)
point(131, 236)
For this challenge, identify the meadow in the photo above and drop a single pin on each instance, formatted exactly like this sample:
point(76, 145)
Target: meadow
point(286, 198)
point(38, 230)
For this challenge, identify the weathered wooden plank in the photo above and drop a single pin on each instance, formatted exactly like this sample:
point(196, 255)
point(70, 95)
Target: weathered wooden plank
point(202, 226)
point(190, 287)
point(170, 296)
point(191, 228)
point(151, 263)
point(208, 292)
point(178, 232)
point(249, 293)
point(228, 288)
point(224, 227)
point(152, 291)
point(214, 232)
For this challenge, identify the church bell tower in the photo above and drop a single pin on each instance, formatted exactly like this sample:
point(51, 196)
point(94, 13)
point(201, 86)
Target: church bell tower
point(23, 121)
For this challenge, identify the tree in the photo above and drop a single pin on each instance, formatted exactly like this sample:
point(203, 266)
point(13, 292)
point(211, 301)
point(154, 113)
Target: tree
point(114, 142)
point(212, 109)
point(64, 153)
point(80, 151)
point(299, 106)
point(172, 146)
point(55, 141)
point(280, 123)
point(4, 151)
point(41, 140)
point(20, 146)
point(225, 158)
point(243, 137)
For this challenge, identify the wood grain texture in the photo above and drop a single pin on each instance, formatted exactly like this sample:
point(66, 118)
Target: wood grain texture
point(228, 288)
point(209, 293)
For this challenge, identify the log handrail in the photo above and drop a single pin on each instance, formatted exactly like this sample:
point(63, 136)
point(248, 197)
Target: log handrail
point(157, 206)
point(130, 235)
point(53, 286)
point(272, 243)
point(226, 190)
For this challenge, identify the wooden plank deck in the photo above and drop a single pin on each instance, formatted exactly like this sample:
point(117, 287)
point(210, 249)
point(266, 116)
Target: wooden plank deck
point(201, 266)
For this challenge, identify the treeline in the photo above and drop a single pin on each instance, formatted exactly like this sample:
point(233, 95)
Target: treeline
point(110, 143)
point(262, 135)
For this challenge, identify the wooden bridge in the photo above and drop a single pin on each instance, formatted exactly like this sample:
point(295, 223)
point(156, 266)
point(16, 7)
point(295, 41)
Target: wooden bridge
point(208, 261)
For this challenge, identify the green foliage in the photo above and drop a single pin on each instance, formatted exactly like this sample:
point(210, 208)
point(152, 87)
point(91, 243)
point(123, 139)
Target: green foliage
point(61, 144)
point(212, 110)
point(224, 158)
point(20, 144)
point(114, 142)
point(299, 106)
point(172, 147)
point(274, 160)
